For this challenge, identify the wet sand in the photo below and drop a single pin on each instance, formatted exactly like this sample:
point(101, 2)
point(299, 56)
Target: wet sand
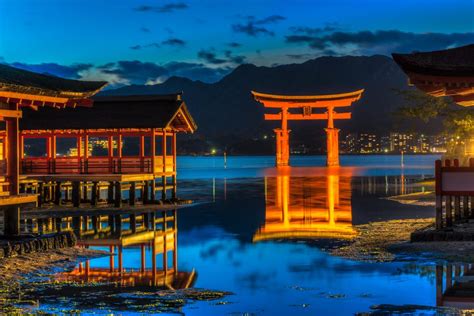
point(390, 240)
point(16, 268)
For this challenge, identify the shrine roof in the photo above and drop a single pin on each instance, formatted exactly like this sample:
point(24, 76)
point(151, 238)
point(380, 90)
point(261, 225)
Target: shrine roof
point(30, 83)
point(457, 62)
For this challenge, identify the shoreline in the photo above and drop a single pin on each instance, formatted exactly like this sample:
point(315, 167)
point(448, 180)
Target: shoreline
point(389, 241)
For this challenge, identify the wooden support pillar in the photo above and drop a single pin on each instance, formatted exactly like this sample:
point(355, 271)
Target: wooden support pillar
point(119, 152)
point(110, 193)
point(118, 194)
point(94, 193)
point(118, 224)
point(449, 211)
point(133, 223)
point(85, 191)
point(76, 193)
point(153, 261)
point(153, 150)
point(53, 152)
point(86, 153)
point(465, 207)
point(142, 153)
point(153, 190)
point(152, 220)
point(95, 223)
point(110, 222)
point(146, 221)
point(132, 193)
point(77, 226)
point(111, 259)
point(79, 150)
point(439, 197)
point(145, 192)
point(120, 259)
point(59, 226)
point(13, 150)
point(57, 193)
point(163, 192)
point(110, 153)
point(174, 177)
point(12, 221)
point(457, 208)
point(142, 258)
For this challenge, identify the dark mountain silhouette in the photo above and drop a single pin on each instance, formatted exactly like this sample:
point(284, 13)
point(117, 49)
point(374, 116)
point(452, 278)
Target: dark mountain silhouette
point(225, 110)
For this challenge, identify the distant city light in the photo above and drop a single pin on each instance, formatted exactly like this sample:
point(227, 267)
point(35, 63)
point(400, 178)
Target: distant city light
point(265, 136)
point(213, 151)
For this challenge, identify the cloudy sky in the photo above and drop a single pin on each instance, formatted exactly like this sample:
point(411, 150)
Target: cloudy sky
point(147, 41)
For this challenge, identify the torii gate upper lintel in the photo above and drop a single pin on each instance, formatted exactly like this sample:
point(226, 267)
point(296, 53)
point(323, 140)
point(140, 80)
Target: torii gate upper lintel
point(305, 104)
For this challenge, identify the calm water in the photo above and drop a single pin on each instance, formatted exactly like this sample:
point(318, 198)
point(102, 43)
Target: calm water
point(259, 233)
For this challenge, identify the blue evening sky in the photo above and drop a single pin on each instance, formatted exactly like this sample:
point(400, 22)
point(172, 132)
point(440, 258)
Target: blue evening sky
point(157, 38)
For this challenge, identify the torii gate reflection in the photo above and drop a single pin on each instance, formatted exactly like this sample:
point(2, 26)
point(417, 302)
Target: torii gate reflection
point(305, 105)
point(307, 208)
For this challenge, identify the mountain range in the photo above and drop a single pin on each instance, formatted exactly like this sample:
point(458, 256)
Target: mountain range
point(227, 115)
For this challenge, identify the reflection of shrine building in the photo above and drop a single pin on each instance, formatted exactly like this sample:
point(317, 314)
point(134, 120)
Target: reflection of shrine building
point(307, 208)
point(154, 234)
point(458, 289)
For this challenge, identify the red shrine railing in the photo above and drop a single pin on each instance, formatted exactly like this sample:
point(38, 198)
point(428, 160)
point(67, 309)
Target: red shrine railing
point(163, 163)
point(454, 192)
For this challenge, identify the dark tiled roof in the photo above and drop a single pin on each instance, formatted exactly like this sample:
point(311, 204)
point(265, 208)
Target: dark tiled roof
point(450, 62)
point(23, 81)
point(144, 111)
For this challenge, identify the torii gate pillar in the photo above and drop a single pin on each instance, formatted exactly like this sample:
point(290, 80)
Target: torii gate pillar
point(282, 147)
point(332, 136)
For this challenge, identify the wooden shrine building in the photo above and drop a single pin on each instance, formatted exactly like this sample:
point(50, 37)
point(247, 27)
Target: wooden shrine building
point(21, 90)
point(447, 73)
point(70, 145)
point(301, 108)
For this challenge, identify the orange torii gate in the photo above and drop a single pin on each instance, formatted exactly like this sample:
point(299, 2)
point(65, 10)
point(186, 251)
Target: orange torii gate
point(305, 105)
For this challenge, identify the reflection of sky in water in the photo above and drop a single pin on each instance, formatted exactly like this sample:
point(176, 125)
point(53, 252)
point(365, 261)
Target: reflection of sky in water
point(282, 276)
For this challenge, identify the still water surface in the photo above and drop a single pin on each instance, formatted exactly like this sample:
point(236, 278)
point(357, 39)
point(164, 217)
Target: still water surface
point(259, 233)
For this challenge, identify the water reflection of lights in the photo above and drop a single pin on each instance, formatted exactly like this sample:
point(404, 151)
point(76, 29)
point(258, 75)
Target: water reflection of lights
point(455, 286)
point(155, 234)
point(307, 208)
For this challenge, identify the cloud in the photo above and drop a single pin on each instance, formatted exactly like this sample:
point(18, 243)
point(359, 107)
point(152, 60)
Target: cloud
point(210, 56)
point(234, 59)
point(329, 28)
point(130, 72)
point(138, 72)
point(254, 27)
point(299, 56)
point(166, 8)
point(134, 72)
point(234, 44)
point(145, 29)
point(151, 45)
point(174, 42)
point(72, 71)
point(376, 42)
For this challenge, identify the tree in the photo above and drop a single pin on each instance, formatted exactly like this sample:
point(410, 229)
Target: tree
point(458, 121)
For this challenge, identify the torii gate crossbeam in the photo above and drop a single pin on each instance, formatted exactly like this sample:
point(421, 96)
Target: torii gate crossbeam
point(304, 105)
